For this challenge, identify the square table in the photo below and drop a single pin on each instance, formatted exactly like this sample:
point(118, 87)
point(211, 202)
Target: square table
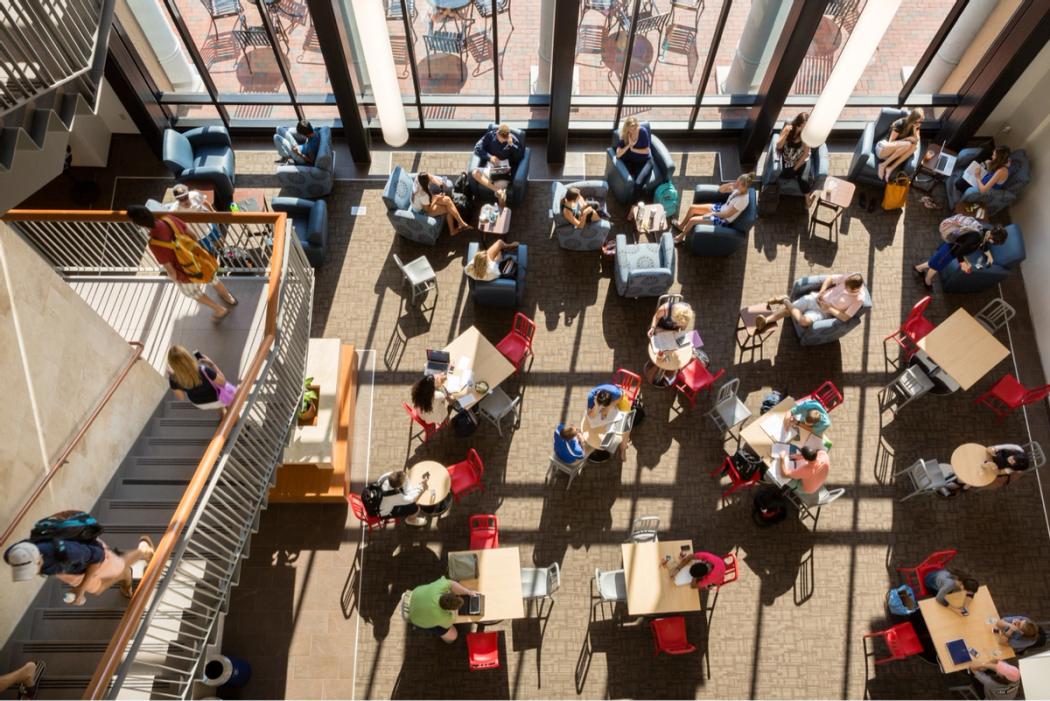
point(963, 348)
point(926, 167)
point(836, 196)
point(761, 442)
point(594, 429)
point(497, 228)
point(946, 625)
point(1035, 675)
point(650, 219)
point(487, 363)
point(650, 588)
point(499, 579)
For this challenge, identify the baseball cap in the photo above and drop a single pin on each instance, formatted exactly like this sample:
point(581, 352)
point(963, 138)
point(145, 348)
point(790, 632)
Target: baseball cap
point(1007, 671)
point(180, 191)
point(24, 560)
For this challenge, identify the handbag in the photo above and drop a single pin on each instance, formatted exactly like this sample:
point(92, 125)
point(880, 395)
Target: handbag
point(895, 195)
point(226, 392)
point(769, 199)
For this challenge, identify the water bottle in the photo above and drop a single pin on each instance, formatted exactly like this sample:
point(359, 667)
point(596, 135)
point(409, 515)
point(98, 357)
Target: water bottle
point(69, 597)
point(234, 207)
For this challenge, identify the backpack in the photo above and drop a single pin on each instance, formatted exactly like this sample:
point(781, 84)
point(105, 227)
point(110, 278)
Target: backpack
point(746, 464)
point(667, 197)
point(463, 425)
point(901, 601)
point(771, 400)
point(372, 498)
point(639, 413)
point(191, 258)
point(768, 507)
point(769, 199)
point(79, 526)
point(955, 226)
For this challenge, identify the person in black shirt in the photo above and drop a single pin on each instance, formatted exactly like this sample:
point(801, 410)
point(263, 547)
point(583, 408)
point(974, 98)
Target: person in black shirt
point(958, 249)
point(902, 142)
point(194, 377)
point(498, 144)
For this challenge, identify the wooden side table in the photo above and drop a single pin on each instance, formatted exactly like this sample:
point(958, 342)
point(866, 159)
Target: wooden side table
point(497, 228)
point(927, 165)
point(752, 340)
point(836, 196)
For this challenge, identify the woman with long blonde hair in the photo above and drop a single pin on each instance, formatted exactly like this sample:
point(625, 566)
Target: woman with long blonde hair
point(633, 147)
point(486, 264)
point(717, 213)
point(195, 378)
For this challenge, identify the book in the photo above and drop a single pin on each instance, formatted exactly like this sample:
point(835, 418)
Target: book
point(972, 174)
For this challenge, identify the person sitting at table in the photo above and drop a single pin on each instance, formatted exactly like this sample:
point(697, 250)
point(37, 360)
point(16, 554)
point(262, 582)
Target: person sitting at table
point(955, 590)
point(497, 144)
point(840, 296)
point(399, 495)
point(1020, 632)
point(432, 607)
point(811, 414)
point(959, 249)
point(567, 446)
point(432, 399)
point(717, 213)
point(428, 196)
point(673, 315)
point(601, 399)
point(490, 264)
point(808, 469)
point(578, 211)
point(998, 680)
point(707, 569)
point(1006, 459)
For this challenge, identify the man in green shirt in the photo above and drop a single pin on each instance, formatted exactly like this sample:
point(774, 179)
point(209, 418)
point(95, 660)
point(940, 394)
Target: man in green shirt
point(433, 607)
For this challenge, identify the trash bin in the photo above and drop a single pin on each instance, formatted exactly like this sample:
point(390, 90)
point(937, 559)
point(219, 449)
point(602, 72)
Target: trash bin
point(223, 670)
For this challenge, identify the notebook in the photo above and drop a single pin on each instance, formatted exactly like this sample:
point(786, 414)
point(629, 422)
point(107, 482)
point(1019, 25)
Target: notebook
point(958, 651)
point(437, 362)
point(473, 605)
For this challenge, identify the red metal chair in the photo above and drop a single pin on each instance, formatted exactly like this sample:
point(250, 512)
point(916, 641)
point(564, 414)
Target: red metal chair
point(732, 573)
point(427, 429)
point(914, 576)
point(466, 475)
point(669, 636)
point(483, 650)
point(915, 327)
point(901, 641)
point(738, 482)
point(1008, 394)
point(693, 379)
point(484, 531)
point(374, 523)
point(516, 346)
point(827, 394)
point(630, 383)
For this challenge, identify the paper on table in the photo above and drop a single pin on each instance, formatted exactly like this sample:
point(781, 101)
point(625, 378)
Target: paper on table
point(776, 427)
point(665, 341)
point(815, 442)
point(780, 451)
point(683, 577)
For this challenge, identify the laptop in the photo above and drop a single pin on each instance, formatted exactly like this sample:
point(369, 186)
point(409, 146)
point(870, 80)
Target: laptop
point(958, 651)
point(473, 605)
point(945, 162)
point(437, 362)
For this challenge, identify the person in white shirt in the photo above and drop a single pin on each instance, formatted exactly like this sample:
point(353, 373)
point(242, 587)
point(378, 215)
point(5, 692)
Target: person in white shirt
point(428, 196)
point(399, 495)
point(717, 213)
point(187, 200)
point(486, 264)
point(432, 400)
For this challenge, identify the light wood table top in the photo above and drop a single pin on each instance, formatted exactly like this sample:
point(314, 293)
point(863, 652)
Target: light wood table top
point(1035, 675)
point(497, 228)
point(487, 363)
point(672, 360)
point(967, 462)
point(594, 431)
point(438, 485)
point(963, 348)
point(761, 442)
point(837, 192)
point(499, 579)
point(650, 588)
point(946, 625)
point(748, 315)
point(650, 219)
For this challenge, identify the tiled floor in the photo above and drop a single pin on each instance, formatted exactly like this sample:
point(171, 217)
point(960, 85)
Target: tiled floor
point(317, 615)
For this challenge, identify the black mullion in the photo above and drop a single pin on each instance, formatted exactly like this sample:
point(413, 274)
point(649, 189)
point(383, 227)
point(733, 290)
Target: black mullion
point(495, 55)
point(282, 61)
point(627, 63)
point(410, 44)
point(709, 62)
point(198, 62)
point(932, 49)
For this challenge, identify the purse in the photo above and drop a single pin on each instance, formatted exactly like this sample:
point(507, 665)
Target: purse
point(895, 195)
point(226, 392)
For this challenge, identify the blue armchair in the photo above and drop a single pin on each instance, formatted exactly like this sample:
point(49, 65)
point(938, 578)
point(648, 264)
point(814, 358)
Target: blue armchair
point(590, 237)
point(205, 153)
point(829, 329)
point(518, 185)
point(414, 226)
point(819, 167)
point(500, 292)
point(994, 201)
point(311, 181)
point(659, 170)
point(864, 167)
point(1006, 257)
point(644, 269)
point(712, 240)
point(310, 223)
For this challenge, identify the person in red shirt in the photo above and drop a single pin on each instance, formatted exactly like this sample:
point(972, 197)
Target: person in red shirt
point(808, 469)
point(160, 230)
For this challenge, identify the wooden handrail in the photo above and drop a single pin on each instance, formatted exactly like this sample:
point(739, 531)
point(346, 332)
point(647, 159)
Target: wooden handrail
point(98, 215)
point(63, 457)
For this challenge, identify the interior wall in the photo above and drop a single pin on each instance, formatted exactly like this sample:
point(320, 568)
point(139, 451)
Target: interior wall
point(57, 358)
point(984, 38)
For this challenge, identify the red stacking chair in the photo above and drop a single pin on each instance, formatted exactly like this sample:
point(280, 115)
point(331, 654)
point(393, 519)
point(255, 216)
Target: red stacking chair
point(901, 641)
point(915, 577)
point(374, 523)
point(483, 650)
point(827, 394)
point(914, 328)
point(694, 378)
point(466, 475)
point(738, 482)
point(484, 531)
point(1008, 394)
point(669, 636)
point(630, 383)
point(731, 569)
point(428, 429)
point(516, 346)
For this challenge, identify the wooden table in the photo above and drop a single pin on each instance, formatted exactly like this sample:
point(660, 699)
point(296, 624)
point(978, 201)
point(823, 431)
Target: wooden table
point(650, 588)
point(970, 209)
point(760, 441)
point(438, 486)
point(499, 579)
point(963, 348)
point(672, 360)
point(594, 431)
point(752, 339)
point(968, 463)
point(487, 363)
point(1035, 675)
point(930, 157)
point(654, 218)
point(945, 625)
point(836, 196)
point(497, 228)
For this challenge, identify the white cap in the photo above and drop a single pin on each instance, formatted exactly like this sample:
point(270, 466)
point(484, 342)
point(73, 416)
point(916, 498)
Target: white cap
point(24, 558)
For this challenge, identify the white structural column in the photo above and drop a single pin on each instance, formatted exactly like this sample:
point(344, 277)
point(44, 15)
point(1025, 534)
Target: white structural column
point(379, 57)
point(755, 42)
point(166, 45)
point(545, 48)
point(955, 45)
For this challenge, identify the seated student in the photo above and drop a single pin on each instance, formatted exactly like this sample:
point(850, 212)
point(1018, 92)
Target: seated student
point(633, 148)
point(998, 680)
point(428, 196)
point(1006, 459)
point(601, 399)
point(900, 144)
point(578, 211)
point(679, 317)
point(811, 414)
point(1020, 632)
point(432, 607)
point(567, 446)
point(808, 469)
point(706, 569)
point(489, 264)
point(288, 144)
point(991, 174)
point(717, 213)
point(399, 496)
point(955, 590)
point(498, 144)
point(840, 296)
point(958, 248)
point(794, 155)
point(432, 399)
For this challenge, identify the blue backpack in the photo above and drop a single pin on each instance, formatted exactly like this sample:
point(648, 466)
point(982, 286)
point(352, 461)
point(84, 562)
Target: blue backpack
point(901, 601)
point(667, 197)
point(66, 525)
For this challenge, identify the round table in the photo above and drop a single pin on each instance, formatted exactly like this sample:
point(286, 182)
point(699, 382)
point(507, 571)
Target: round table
point(968, 460)
point(593, 435)
point(672, 361)
point(439, 485)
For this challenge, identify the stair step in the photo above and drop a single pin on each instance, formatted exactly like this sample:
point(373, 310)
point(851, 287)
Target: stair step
point(183, 427)
point(125, 536)
point(109, 599)
point(174, 447)
point(68, 656)
point(136, 510)
point(149, 468)
point(153, 490)
point(62, 686)
point(178, 409)
point(74, 623)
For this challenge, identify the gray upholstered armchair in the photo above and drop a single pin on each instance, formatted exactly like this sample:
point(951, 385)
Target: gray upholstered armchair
point(657, 171)
point(310, 222)
point(500, 292)
point(408, 223)
point(645, 269)
point(311, 181)
point(829, 329)
point(1006, 257)
point(590, 237)
point(819, 167)
point(864, 167)
point(994, 201)
point(519, 183)
point(204, 153)
point(715, 240)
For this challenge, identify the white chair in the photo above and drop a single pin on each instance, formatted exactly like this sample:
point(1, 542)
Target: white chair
point(405, 599)
point(644, 530)
point(419, 275)
point(965, 691)
point(806, 503)
point(927, 476)
point(906, 388)
point(573, 470)
point(995, 315)
point(496, 405)
point(729, 412)
point(612, 585)
point(1035, 455)
point(540, 582)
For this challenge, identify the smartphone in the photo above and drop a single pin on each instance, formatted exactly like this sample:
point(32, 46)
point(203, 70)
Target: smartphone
point(685, 549)
point(197, 354)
